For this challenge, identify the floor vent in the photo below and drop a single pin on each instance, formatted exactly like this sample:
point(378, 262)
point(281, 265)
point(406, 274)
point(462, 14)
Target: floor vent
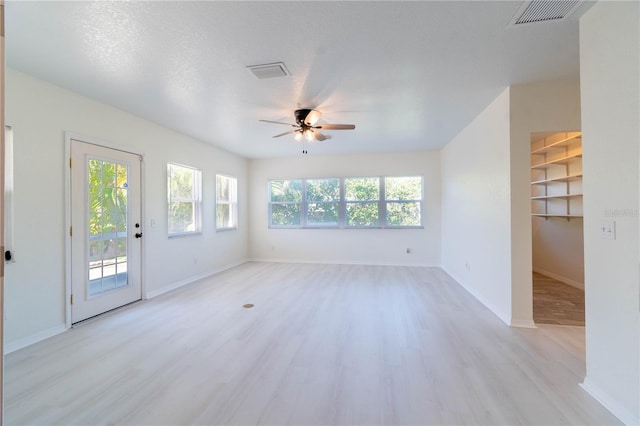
point(544, 11)
point(248, 305)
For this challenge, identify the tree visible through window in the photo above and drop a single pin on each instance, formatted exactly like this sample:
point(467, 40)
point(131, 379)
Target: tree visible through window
point(357, 202)
point(403, 200)
point(226, 202)
point(323, 201)
point(286, 202)
point(184, 199)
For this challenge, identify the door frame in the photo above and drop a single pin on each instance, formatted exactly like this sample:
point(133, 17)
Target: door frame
point(68, 136)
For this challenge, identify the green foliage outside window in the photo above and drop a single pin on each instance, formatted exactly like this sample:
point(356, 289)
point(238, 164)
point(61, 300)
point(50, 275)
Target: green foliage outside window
point(286, 202)
point(184, 198)
point(318, 202)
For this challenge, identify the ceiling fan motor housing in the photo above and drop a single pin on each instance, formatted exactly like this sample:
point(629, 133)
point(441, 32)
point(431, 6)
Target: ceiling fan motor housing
point(301, 115)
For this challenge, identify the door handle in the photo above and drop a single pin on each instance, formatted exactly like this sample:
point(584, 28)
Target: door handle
point(138, 235)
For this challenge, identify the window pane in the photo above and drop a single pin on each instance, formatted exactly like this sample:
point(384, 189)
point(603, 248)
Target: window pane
point(403, 214)
point(362, 214)
point(322, 214)
point(362, 189)
point(224, 218)
point(181, 218)
point(181, 182)
point(222, 188)
point(323, 189)
point(285, 214)
point(403, 188)
point(286, 190)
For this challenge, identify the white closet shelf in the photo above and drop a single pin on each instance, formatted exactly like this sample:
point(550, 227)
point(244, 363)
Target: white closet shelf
point(558, 179)
point(559, 144)
point(557, 161)
point(550, 197)
point(547, 215)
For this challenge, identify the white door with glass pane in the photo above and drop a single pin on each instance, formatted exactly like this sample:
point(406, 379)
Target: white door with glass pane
point(106, 232)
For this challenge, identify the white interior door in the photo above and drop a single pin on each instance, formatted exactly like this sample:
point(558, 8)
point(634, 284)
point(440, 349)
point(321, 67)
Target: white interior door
point(106, 235)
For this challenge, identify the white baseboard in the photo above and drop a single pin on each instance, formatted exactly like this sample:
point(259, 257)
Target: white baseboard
point(341, 262)
point(34, 338)
point(622, 413)
point(505, 318)
point(523, 324)
point(560, 278)
point(157, 292)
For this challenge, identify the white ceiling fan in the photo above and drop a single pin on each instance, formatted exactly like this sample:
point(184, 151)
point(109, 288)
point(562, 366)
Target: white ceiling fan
point(307, 129)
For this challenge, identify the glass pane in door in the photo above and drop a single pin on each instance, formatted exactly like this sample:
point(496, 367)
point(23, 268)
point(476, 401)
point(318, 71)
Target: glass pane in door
point(107, 245)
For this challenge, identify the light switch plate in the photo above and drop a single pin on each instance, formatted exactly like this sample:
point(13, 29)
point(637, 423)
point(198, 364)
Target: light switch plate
point(608, 229)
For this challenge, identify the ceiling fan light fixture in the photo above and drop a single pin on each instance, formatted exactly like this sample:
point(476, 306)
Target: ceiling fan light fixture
point(308, 134)
point(298, 135)
point(312, 117)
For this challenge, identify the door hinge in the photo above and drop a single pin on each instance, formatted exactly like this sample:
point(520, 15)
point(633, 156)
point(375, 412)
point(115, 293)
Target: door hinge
point(69, 162)
point(72, 299)
point(71, 231)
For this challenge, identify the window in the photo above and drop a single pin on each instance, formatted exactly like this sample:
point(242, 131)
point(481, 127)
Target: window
point(354, 202)
point(184, 196)
point(362, 199)
point(286, 203)
point(403, 201)
point(226, 202)
point(323, 202)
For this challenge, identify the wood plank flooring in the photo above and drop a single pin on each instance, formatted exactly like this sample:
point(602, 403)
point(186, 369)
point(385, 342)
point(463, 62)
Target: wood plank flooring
point(555, 302)
point(323, 345)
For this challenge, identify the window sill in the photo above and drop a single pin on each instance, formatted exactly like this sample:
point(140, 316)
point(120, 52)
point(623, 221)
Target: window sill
point(184, 234)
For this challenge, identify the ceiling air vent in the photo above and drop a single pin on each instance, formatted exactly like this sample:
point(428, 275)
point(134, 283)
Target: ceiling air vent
point(277, 69)
point(544, 11)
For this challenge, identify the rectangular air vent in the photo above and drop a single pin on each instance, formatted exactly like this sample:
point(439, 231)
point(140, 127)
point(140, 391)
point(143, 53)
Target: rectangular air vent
point(277, 69)
point(544, 11)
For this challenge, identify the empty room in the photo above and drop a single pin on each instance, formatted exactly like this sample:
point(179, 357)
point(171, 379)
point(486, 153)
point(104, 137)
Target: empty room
point(321, 212)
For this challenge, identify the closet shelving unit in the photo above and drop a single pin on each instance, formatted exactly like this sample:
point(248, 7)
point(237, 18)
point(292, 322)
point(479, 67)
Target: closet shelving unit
point(556, 164)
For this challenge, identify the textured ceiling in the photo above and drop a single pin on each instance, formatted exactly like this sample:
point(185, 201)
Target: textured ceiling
point(410, 75)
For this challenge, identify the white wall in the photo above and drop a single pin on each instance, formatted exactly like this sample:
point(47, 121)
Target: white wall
point(609, 70)
point(558, 249)
point(366, 246)
point(40, 114)
point(540, 107)
point(476, 208)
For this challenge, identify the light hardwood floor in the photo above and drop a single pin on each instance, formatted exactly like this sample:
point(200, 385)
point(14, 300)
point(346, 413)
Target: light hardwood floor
point(555, 302)
point(323, 345)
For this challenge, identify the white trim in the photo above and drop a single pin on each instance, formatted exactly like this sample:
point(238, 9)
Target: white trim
point(342, 262)
point(68, 136)
point(167, 288)
point(560, 278)
point(67, 221)
point(505, 318)
point(523, 324)
point(34, 338)
point(622, 413)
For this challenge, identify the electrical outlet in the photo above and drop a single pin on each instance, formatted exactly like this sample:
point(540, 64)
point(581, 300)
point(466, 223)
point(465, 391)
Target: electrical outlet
point(608, 229)
point(467, 265)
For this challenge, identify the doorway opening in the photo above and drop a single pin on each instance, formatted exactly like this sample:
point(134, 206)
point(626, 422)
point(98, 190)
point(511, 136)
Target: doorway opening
point(105, 229)
point(557, 228)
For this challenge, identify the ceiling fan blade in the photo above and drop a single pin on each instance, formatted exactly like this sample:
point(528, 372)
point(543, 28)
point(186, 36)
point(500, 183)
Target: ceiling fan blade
point(279, 122)
point(312, 118)
point(319, 136)
point(335, 126)
point(285, 133)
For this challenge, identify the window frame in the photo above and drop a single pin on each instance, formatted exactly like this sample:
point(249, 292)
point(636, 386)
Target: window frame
point(385, 202)
point(232, 202)
point(306, 202)
point(300, 203)
point(195, 200)
point(381, 202)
